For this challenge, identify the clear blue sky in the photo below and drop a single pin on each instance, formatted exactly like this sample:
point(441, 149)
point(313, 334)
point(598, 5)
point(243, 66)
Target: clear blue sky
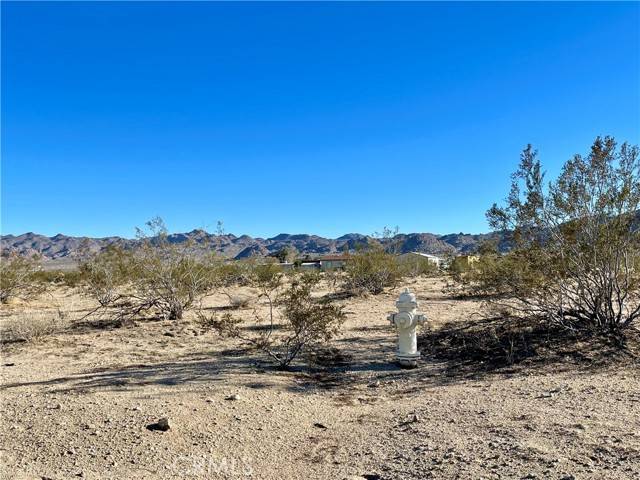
point(299, 117)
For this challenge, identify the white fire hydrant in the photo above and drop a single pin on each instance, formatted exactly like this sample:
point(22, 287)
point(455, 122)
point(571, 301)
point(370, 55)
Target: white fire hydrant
point(406, 321)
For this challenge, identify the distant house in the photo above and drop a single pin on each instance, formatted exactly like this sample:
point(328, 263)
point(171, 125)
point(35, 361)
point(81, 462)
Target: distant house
point(419, 256)
point(333, 262)
point(324, 263)
point(309, 265)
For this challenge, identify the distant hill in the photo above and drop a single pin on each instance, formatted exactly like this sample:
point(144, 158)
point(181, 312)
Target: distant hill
point(64, 249)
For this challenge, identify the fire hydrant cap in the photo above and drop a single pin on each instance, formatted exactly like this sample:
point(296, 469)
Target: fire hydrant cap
point(406, 297)
point(407, 300)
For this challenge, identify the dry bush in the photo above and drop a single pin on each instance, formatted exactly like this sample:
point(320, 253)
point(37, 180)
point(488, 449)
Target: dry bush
point(157, 277)
point(306, 323)
point(105, 274)
point(18, 277)
point(576, 245)
point(32, 326)
point(238, 301)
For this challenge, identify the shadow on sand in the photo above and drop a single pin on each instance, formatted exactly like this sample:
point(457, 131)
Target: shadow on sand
point(456, 352)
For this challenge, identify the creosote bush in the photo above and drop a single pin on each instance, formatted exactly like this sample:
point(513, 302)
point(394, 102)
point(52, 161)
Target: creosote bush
point(576, 241)
point(371, 271)
point(67, 278)
point(305, 322)
point(157, 277)
point(18, 277)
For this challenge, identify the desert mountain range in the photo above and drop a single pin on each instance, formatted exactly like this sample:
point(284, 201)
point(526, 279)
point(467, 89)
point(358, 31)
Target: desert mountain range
point(63, 247)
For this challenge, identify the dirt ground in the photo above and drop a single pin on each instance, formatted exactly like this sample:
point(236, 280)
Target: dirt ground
point(77, 404)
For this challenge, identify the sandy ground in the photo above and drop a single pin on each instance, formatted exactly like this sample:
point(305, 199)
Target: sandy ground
point(77, 404)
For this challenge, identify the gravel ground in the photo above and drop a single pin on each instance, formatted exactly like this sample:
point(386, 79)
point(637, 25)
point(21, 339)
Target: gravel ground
point(78, 403)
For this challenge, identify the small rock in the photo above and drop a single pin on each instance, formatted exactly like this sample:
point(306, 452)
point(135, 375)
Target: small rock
point(320, 425)
point(169, 334)
point(233, 397)
point(209, 400)
point(161, 425)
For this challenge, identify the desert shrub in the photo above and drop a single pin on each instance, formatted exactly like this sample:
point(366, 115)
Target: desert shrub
point(68, 278)
point(285, 254)
point(232, 273)
point(333, 278)
point(31, 326)
point(306, 323)
point(105, 274)
point(157, 276)
point(168, 278)
point(576, 243)
point(239, 301)
point(371, 271)
point(18, 277)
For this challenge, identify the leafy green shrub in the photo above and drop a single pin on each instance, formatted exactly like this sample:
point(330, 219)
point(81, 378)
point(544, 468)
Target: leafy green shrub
point(371, 271)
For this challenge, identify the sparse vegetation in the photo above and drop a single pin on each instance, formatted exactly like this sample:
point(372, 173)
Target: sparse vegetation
point(306, 323)
point(417, 267)
point(31, 326)
point(67, 278)
point(371, 271)
point(18, 277)
point(576, 254)
point(158, 276)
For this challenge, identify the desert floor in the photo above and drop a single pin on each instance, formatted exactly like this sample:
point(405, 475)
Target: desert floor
point(77, 403)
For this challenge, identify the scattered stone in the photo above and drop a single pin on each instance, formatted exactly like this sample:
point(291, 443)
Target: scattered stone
point(161, 425)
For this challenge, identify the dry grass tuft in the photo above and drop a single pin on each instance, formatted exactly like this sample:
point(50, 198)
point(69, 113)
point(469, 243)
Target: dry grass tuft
point(32, 326)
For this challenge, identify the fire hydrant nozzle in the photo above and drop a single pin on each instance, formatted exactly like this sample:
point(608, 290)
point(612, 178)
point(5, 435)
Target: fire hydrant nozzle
point(406, 321)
